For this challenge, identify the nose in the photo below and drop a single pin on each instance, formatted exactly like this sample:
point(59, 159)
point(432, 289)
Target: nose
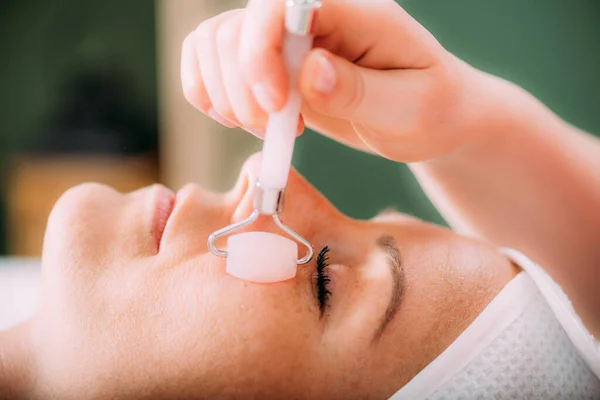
point(305, 210)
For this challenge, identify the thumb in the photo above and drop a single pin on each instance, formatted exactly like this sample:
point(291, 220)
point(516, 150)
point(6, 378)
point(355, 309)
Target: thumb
point(331, 84)
point(338, 88)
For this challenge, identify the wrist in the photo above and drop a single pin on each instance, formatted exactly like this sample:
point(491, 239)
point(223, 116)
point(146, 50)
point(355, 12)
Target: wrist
point(495, 115)
point(15, 363)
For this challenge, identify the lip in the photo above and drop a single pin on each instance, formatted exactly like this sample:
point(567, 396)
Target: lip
point(164, 203)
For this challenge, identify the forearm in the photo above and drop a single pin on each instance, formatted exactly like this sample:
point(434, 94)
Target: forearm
point(533, 183)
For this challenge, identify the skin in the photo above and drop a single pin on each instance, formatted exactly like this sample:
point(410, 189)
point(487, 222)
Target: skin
point(497, 163)
point(395, 103)
point(121, 318)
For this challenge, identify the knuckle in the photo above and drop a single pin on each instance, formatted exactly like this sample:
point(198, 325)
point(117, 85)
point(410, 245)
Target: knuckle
point(357, 96)
point(206, 30)
point(426, 131)
point(251, 54)
point(439, 97)
point(186, 54)
point(226, 34)
point(194, 94)
point(189, 92)
point(187, 44)
point(203, 40)
point(429, 110)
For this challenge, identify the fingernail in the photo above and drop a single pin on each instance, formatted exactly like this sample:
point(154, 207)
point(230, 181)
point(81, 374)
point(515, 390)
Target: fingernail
point(325, 76)
point(217, 117)
point(256, 132)
point(300, 128)
point(264, 97)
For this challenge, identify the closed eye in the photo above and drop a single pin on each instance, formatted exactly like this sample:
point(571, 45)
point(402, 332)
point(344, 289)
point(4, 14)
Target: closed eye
point(322, 280)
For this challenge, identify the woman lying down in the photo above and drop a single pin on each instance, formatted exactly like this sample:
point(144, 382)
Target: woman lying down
point(134, 306)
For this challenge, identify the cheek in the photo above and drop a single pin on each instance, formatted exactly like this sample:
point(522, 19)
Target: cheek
point(270, 317)
point(260, 335)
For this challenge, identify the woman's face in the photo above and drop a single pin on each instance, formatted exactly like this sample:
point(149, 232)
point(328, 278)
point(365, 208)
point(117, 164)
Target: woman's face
point(134, 303)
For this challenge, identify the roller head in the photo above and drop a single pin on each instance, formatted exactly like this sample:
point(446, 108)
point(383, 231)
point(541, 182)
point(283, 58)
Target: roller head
point(261, 257)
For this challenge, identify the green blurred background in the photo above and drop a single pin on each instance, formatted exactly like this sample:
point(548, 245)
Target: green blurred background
point(64, 60)
point(551, 48)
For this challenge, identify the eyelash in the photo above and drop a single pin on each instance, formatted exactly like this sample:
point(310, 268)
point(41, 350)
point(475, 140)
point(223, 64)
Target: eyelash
point(322, 279)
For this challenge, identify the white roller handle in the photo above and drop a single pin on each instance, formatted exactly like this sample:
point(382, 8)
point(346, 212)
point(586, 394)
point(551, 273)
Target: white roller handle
point(282, 126)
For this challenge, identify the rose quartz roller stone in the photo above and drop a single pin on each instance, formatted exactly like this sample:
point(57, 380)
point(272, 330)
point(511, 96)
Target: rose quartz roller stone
point(261, 256)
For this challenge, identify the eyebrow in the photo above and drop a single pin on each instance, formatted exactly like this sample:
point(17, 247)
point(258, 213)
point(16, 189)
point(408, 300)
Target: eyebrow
point(387, 243)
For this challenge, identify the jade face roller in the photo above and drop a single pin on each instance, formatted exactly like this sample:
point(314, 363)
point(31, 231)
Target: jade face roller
point(262, 256)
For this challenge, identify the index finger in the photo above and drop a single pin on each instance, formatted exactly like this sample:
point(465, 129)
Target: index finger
point(263, 33)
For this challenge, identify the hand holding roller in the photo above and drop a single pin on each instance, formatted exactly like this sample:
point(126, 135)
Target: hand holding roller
point(262, 256)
